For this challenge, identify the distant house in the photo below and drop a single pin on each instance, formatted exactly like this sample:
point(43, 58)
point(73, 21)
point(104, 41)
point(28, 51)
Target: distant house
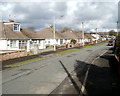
point(88, 38)
point(68, 36)
point(96, 37)
point(35, 39)
point(14, 37)
point(62, 37)
point(79, 37)
point(73, 35)
point(48, 35)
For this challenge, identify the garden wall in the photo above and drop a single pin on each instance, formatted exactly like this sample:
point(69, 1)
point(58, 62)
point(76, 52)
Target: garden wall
point(12, 55)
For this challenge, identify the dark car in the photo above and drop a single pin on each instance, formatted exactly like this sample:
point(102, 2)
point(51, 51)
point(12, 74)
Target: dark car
point(111, 43)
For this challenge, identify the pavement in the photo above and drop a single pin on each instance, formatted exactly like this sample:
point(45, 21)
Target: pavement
point(44, 76)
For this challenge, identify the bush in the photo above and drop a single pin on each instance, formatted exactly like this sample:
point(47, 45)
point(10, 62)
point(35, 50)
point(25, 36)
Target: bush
point(117, 46)
point(73, 41)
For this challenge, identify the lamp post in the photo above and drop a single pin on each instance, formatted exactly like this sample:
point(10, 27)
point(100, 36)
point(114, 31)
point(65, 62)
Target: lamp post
point(54, 22)
point(54, 33)
point(83, 33)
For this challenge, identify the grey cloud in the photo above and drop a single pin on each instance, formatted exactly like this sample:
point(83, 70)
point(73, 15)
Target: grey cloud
point(38, 15)
point(105, 12)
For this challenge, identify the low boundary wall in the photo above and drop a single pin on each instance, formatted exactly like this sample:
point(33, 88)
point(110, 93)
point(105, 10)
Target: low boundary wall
point(12, 55)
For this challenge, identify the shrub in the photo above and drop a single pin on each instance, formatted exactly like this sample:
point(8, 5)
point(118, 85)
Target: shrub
point(73, 41)
point(117, 46)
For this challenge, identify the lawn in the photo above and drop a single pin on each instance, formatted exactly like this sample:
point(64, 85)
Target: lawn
point(67, 51)
point(95, 44)
point(73, 50)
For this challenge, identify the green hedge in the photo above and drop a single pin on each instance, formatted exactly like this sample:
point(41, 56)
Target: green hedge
point(117, 46)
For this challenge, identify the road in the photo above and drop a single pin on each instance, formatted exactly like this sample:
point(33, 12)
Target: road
point(101, 78)
point(42, 77)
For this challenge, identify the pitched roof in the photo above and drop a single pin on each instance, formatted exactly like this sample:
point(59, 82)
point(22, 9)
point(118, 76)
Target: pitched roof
point(70, 34)
point(78, 34)
point(30, 34)
point(6, 32)
point(88, 35)
point(48, 33)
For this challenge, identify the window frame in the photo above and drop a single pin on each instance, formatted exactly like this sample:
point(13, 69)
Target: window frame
point(17, 27)
point(13, 43)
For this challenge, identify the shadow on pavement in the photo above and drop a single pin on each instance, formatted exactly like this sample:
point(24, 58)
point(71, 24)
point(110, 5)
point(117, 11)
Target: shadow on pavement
point(101, 81)
point(70, 77)
point(113, 63)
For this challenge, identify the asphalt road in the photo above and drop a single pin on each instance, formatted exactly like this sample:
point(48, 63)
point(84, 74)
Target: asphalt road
point(42, 77)
point(100, 78)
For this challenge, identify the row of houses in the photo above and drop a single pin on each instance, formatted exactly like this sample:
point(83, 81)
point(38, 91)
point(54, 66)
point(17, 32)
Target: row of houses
point(15, 37)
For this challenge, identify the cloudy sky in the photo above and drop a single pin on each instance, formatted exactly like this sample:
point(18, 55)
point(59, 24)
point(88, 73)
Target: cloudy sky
point(101, 15)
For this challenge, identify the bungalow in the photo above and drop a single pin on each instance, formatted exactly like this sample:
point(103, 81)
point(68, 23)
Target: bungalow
point(35, 39)
point(48, 35)
point(96, 37)
point(15, 37)
point(88, 38)
point(72, 35)
point(68, 35)
point(79, 37)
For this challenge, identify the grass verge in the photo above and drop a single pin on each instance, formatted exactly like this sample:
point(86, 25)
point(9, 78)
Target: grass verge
point(23, 62)
point(72, 50)
point(66, 51)
point(96, 44)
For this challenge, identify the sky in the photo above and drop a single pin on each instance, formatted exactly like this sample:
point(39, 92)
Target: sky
point(39, 15)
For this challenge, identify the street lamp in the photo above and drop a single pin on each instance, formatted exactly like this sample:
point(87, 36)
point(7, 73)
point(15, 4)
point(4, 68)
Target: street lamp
point(54, 22)
point(54, 32)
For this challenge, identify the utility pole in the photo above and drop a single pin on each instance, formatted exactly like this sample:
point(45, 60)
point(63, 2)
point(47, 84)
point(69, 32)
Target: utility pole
point(54, 33)
point(83, 33)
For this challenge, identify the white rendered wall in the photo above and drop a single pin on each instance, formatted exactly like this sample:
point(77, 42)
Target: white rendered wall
point(42, 44)
point(3, 45)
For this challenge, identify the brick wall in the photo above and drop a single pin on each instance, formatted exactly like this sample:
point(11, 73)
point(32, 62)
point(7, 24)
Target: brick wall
point(12, 55)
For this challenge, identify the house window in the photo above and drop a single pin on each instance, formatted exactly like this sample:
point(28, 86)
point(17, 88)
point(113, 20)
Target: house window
point(16, 27)
point(61, 41)
point(56, 40)
point(49, 42)
point(13, 43)
point(65, 40)
point(23, 44)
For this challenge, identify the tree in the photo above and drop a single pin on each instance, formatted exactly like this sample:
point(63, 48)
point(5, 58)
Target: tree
point(112, 33)
point(117, 45)
point(73, 41)
point(65, 29)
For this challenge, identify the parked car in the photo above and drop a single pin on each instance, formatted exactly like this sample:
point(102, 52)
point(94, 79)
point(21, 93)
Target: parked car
point(111, 43)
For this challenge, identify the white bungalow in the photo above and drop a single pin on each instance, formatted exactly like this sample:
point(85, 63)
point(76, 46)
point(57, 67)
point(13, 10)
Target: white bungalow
point(14, 37)
point(48, 35)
